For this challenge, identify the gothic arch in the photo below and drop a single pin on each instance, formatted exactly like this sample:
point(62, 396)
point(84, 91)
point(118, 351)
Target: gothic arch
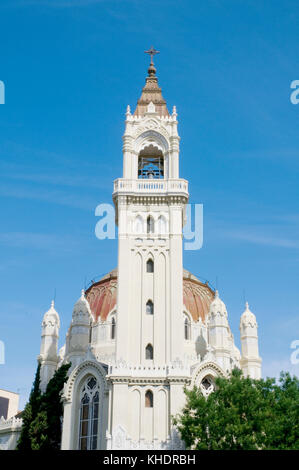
point(79, 373)
point(138, 225)
point(203, 370)
point(162, 224)
point(71, 398)
point(151, 137)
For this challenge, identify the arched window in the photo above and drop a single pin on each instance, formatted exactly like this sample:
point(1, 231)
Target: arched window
point(150, 266)
point(187, 328)
point(89, 415)
point(207, 386)
point(149, 307)
point(150, 224)
point(138, 224)
point(113, 326)
point(149, 352)
point(162, 225)
point(151, 163)
point(149, 399)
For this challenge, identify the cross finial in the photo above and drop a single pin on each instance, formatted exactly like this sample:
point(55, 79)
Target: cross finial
point(152, 51)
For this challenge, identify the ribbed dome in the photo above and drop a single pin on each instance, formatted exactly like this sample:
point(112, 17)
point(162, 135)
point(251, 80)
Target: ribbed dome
point(102, 295)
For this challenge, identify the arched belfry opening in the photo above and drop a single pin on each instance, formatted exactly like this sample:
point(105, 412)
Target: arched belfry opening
point(151, 163)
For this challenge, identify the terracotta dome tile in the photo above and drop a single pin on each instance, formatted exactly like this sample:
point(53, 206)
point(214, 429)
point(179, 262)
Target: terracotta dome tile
point(102, 296)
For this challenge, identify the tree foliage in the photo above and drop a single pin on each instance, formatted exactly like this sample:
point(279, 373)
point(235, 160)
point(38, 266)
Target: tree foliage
point(42, 417)
point(30, 412)
point(242, 413)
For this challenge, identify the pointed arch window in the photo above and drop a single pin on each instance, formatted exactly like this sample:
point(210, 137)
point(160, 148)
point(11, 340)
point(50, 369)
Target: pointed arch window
point(113, 328)
point(207, 386)
point(89, 415)
point(149, 352)
point(187, 328)
point(149, 399)
point(150, 225)
point(149, 307)
point(149, 266)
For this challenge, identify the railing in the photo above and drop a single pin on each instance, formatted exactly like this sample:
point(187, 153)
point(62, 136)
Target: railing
point(10, 423)
point(156, 186)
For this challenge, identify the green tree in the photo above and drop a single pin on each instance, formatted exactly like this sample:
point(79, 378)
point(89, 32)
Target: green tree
point(43, 427)
point(30, 412)
point(242, 413)
point(52, 411)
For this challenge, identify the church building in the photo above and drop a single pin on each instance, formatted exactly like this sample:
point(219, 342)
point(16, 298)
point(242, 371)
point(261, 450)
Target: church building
point(148, 328)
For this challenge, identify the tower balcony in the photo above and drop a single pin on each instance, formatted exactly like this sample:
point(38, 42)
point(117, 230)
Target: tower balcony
point(150, 187)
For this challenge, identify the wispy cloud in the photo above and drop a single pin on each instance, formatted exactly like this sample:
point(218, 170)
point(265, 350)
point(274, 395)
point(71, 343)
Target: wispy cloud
point(261, 239)
point(51, 196)
point(282, 154)
point(39, 241)
point(61, 180)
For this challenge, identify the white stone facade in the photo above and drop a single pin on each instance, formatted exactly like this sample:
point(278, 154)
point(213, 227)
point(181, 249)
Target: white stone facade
point(130, 366)
point(10, 430)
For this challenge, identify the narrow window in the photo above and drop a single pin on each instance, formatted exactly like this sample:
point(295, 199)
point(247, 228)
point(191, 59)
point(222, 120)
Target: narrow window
point(150, 266)
point(187, 328)
point(149, 352)
point(113, 325)
point(149, 399)
point(150, 225)
point(149, 307)
point(89, 415)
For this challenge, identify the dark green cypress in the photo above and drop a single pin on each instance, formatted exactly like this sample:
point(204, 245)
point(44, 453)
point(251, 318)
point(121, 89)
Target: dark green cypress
point(30, 412)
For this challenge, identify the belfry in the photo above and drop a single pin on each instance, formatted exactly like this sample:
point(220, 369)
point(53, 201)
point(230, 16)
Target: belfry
point(149, 328)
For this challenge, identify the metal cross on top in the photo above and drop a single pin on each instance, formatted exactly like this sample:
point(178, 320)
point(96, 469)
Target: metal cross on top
point(152, 51)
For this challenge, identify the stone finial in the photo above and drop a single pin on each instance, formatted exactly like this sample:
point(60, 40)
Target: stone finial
point(247, 317)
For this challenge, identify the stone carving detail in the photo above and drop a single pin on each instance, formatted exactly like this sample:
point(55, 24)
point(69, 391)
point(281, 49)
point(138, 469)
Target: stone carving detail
point(210, 354)
point(120, 440)
point(207, 386)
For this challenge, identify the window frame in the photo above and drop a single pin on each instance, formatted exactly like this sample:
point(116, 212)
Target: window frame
point(90, 398)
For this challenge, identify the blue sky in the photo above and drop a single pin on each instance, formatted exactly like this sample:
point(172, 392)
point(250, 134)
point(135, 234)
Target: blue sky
point(70, 68)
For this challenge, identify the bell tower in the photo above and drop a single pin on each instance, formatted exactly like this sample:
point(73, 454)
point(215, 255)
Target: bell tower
point(150, 202)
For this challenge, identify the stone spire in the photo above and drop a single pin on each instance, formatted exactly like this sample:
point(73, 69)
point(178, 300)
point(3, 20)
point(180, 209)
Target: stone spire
point(219, 332)
point(49, 342)
point(151, 93)
point(250, 360)
point(79, 331)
